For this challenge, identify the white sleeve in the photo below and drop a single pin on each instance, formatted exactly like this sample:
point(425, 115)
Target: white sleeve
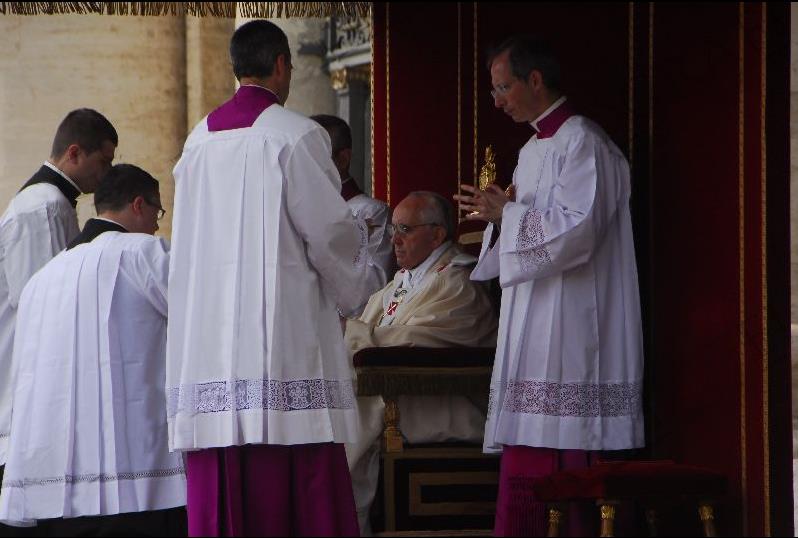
point(488, 265)
point(538, 243)
point(148, 269)
point(336, 242)
point(380, 249)
point(31, 240)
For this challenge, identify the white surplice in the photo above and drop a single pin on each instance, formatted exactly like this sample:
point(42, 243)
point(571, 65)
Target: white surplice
point(376, 215)
point(38, 223)
point(89, 431)
point(569, 360)
point(263, 250)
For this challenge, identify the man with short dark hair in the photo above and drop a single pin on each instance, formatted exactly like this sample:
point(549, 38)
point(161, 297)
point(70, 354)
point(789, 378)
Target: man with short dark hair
point(374, 213)
point(41, 220)
point(126, 200)
point(567, 379)
point(264, 251)
point(88, 451)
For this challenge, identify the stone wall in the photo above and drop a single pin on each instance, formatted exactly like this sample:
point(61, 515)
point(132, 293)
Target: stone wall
point(132, 69)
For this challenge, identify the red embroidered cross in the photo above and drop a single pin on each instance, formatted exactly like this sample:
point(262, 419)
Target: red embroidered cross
point(392, 308)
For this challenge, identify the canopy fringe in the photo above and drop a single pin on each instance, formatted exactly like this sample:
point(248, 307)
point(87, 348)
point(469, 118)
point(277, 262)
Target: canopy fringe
point(254, 10)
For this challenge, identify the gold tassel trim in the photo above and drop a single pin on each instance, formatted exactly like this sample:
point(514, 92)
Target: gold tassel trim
point(254, 10)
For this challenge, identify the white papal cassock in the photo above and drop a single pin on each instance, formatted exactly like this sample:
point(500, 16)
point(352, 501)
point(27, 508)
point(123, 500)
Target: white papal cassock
point(569, 359)
point(39, 222)
point(264, 248)
point(89, 433)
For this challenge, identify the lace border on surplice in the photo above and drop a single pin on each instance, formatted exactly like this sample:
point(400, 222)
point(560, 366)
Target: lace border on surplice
point(271, 394)
point(530, 236)
point(570, 399)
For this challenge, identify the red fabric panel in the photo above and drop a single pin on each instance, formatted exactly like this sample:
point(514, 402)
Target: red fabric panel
point(631, 480)
point(695, 238)
point(423, 98)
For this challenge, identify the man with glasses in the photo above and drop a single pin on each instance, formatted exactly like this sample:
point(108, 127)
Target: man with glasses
point(567, 379)
point(122, 207)
point(430, 302)
point(89, 454)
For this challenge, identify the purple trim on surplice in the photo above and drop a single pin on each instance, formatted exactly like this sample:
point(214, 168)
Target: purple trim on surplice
point(242, 110)
point(551, 123)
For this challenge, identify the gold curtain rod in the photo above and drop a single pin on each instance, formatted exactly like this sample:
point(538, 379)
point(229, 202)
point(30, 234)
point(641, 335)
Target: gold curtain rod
point(261, 10)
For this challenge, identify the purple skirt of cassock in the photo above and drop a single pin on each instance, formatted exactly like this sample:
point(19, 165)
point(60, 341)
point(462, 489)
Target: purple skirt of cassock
point(270, 490)
point(518, 513)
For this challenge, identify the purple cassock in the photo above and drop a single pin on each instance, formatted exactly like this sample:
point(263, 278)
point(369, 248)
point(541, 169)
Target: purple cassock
point(518, 512)
point(267, 490)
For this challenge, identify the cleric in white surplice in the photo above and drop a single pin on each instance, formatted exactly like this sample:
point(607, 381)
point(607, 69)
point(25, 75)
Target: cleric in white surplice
point(41, 220)
point(89, 433)
point(568, 376)
point(264, 251)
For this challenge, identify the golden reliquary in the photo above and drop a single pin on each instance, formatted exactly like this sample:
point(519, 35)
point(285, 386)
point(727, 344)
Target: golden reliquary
point(487, 174)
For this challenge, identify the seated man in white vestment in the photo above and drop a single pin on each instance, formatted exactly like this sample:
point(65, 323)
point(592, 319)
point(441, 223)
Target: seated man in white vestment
point(431, 302)
point(88, 451)
point(568, 375)
point(41, 220)
point(375, 213)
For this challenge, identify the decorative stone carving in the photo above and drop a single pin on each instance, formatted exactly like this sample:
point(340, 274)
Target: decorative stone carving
point(349, 32)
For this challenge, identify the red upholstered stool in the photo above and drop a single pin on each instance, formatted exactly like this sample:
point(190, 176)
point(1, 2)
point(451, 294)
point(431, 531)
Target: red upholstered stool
point(650, 482)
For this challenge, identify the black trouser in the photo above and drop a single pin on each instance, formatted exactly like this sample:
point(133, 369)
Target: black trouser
point(171, 522)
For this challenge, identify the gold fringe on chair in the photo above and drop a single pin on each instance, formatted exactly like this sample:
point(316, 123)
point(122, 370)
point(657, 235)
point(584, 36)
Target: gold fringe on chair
point(255, 10)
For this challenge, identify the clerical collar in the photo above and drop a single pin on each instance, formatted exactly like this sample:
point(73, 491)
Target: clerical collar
point(53, 176)
point(111, 221)
point(547, 124)
point(55, 169)
point(415, 275)
point(262, 88)
point(241, 111)
point(94, 228)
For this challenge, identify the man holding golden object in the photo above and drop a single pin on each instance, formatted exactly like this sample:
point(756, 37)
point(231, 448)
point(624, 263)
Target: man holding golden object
point(567, 379)
point(487, 178)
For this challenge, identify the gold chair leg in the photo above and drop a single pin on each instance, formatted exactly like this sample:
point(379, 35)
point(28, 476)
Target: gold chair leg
point(555, 517)
point(607, 518)
point(651, 520)
point(707, 514)
point(392, 436)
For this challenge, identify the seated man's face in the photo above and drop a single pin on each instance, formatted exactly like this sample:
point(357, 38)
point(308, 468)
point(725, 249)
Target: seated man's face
point(418, 242)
